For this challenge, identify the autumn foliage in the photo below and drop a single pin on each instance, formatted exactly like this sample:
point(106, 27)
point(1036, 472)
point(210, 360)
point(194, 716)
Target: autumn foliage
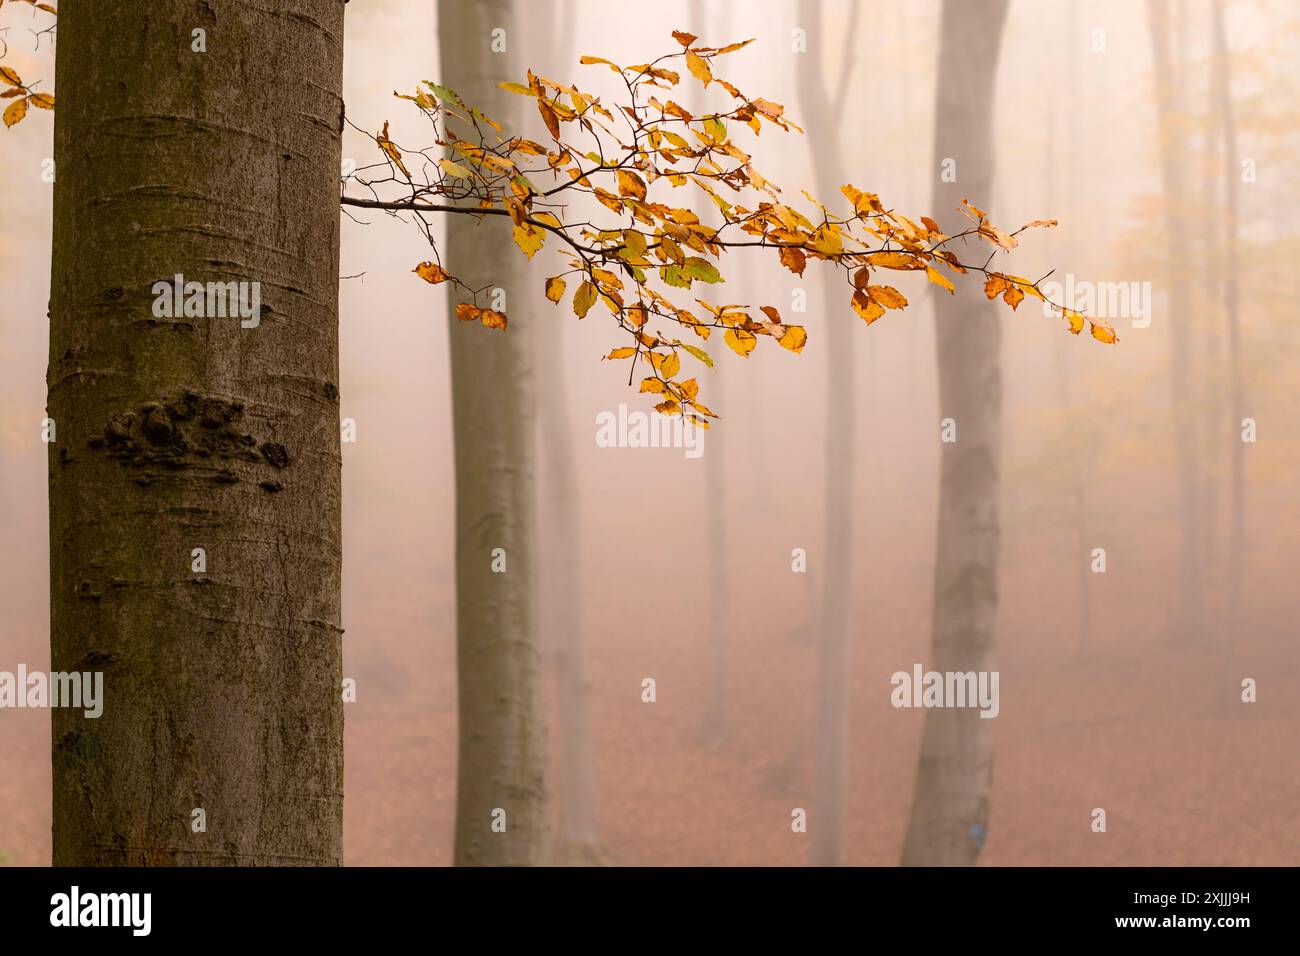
point(649, 263)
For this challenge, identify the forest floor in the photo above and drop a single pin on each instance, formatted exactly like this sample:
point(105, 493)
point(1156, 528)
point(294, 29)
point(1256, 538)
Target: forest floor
point(1133, 725)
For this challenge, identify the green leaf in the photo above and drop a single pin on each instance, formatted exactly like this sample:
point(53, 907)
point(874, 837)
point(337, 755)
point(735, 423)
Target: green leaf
point(702, 269)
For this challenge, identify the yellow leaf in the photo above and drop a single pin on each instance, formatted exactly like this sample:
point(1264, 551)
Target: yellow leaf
point(1075, 320)
point(740, 341)
point(455, 169)
point(1104, 333)
point(493, 320)
point(43, 100)
point(528, 238)
point(430, 272)
point(389, 148)
point(793, 338)
point(9, 76)
point(939, 279)
point(684, 38)
point(671, 365)
point(555, 289)
point(699, 67)
point(870, 311)
point(630, 184)
point(652, 384)
point(894, 260)
point(1013, 297)
point(995, 286)
point(584, 299)
point(16, 111)
point(625, 351)
point(466, 312)
point(516, 88)
point(668, 408)
point(887, 296)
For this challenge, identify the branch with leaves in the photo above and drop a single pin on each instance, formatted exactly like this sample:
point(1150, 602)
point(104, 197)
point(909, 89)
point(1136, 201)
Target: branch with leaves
point(648, 254)
point(12, 86)
point(648, 247)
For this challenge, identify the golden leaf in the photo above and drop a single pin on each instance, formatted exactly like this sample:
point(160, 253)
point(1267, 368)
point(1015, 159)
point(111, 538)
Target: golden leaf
point(44, 101)
point(699, 67)
point(492, 319)
point(939, 279)
point(870, 311)
point(555, 289)
point(1102, 332)
point(887, 296)
point(16, 111)
point(793, 338)
point(430, 272)
point(740, 341)
point(630, 184)
point(623, 352)
point(584, 299)
point(528, 238)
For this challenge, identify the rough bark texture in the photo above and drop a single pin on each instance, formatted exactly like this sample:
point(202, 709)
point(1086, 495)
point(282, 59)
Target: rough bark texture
point(826, 825)
point(1187, 614)
point(950, 807)
point(502, 759)
point(222, 688)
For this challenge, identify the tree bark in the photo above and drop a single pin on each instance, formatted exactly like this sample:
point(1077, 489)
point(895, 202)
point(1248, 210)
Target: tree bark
point(502, 757)
point(826, 825)
point(950, 807)
point(222, 687)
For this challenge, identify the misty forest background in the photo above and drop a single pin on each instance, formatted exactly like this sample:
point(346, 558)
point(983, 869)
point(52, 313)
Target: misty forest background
point(1119, 690)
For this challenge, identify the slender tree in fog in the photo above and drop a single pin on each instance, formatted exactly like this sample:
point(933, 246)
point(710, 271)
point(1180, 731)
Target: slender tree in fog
point(195, 479)
point(501, 772)
point(1173, 158)
point(950, 807)
point(560, 570)
point(822, 111)
point(1227, 122)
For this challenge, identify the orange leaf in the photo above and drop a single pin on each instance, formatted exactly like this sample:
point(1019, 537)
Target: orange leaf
point(430, 272)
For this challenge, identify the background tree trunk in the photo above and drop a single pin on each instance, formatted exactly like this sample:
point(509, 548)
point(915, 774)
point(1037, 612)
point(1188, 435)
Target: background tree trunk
point(826, 825)
point(502, 736)
point(1237, 404)
point(222, 687)
point(560, 572)
point(950, 807)
point(1173, 157)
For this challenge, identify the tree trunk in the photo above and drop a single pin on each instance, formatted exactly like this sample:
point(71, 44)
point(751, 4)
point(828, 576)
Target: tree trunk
point(502, 758)
point(560, 570)
point(827, 822)
point(1237, 404)
point(1173, 158)
point(222, 687)
point(950, 807)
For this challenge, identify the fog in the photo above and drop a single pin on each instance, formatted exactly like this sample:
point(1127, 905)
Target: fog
point(1117, 689)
